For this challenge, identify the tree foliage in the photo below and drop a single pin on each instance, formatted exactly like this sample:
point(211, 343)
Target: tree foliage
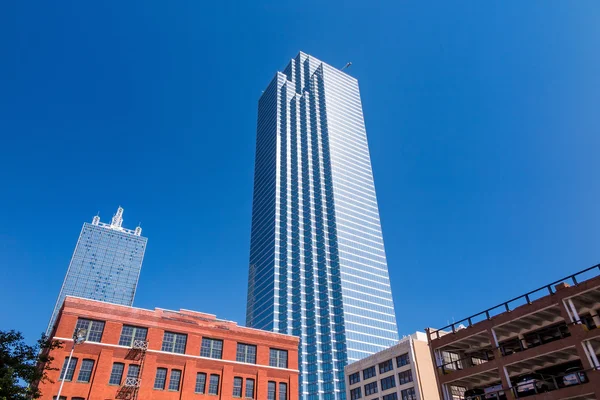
point(23, 367)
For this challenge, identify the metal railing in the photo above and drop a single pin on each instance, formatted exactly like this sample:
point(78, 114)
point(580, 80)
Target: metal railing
point(466, 362)
point(139, 344)
point(132, 382)
point(534, 339)
point(506, 305)
point(537, 386)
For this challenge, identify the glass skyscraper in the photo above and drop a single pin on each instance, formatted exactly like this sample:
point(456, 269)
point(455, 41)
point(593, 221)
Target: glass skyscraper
point(106, 264)
point(318, 268)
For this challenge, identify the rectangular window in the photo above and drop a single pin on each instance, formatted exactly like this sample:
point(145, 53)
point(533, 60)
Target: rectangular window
point(174, 342)
point(371, 388)
point(246, 353)
point(391, 396)
point(388, 382)
point(402, 360)
point(355, 394)
point(130, 333)
point(67, 372)
point(369, 372)
point(200, 382)
point(237, 387)
point(213, 385)
point(386, 366)
point(409, 394)
point(85, 372)
point(354, 378)
point(212, 348)
point(133, 371)
point(405, 377)
point(161, 378)
point(278, 358)
point(249, 388)
point(282, 391)
point(175, 379)
point(93, 329)
point(116, 374)
point(272, 388)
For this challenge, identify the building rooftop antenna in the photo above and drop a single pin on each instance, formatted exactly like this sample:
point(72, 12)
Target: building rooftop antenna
point(346, 66)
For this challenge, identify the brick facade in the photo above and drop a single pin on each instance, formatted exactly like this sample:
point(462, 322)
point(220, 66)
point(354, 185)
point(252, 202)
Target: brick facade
point(193, 324)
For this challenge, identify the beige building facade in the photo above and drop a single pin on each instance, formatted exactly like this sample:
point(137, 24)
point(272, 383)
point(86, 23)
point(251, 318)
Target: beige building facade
point(404, 371)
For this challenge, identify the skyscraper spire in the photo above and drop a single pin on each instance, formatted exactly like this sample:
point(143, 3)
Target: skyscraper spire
point(117, 220)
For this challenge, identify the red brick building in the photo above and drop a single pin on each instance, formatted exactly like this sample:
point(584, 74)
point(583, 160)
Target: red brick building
point(131, 353)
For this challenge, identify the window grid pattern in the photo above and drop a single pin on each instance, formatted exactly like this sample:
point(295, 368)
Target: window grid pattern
point(211, 348)
point(354, 378)
point(213, 385)
point(408, 394)
point(391, 396)
point(85, 372)
point(317, 266)
point(200, 383)
point(105, 266)
point(160, 379)
point(131, 333)
point(93, 329)
point(388, 382)
point(174, 379)
point(283, 391)
point(133, 371)
point(116, 374)
point(405, 377)
point(271, 390)
point(370, 388)
point(369, 372)
point(355, 394)
point(249, 389)
point(386, 366)
point(65, 373)
point(174, 342)
point(237, 386)
point(278, 358)
point(246, 353)
point(402, 360)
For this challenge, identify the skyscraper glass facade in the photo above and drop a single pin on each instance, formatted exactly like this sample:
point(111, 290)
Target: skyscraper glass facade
point(105, 266)
point(318, 268)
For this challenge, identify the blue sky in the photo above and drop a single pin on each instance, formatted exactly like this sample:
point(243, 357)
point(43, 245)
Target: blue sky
point(482, 119)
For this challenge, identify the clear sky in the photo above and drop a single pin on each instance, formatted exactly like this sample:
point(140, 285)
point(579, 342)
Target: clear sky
point(482, 118)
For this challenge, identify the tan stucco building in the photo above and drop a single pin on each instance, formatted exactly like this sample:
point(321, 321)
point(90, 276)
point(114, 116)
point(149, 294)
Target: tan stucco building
point(402, 372)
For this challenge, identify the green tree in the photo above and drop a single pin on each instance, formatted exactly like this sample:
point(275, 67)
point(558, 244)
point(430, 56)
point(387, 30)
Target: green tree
point(23, 367)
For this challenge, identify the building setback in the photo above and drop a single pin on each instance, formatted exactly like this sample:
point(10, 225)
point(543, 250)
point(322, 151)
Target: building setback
point(131, 353)
point(404, 371)
point(544, 344)
point(105, 266)
point(318, 267)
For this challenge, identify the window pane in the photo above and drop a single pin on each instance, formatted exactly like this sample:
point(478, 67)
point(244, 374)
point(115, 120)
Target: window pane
point(200, 383)
point(246, 353)
point(116, 374)
point(174, 342)
point(211, 348)
point(161, 377)
point(85, 372)
point(249, 388)
point(278, 358)
point(133, 371)
point(131, 333)
point(93, 329)
point(213, 386)
point(271, 391)
point(237, 387)
point(175, 379)
point(283, 391)
point(70, 370)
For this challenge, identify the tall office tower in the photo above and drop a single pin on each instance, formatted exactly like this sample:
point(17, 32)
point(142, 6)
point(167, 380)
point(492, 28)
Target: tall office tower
point(318, 268)
point(105, 265)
